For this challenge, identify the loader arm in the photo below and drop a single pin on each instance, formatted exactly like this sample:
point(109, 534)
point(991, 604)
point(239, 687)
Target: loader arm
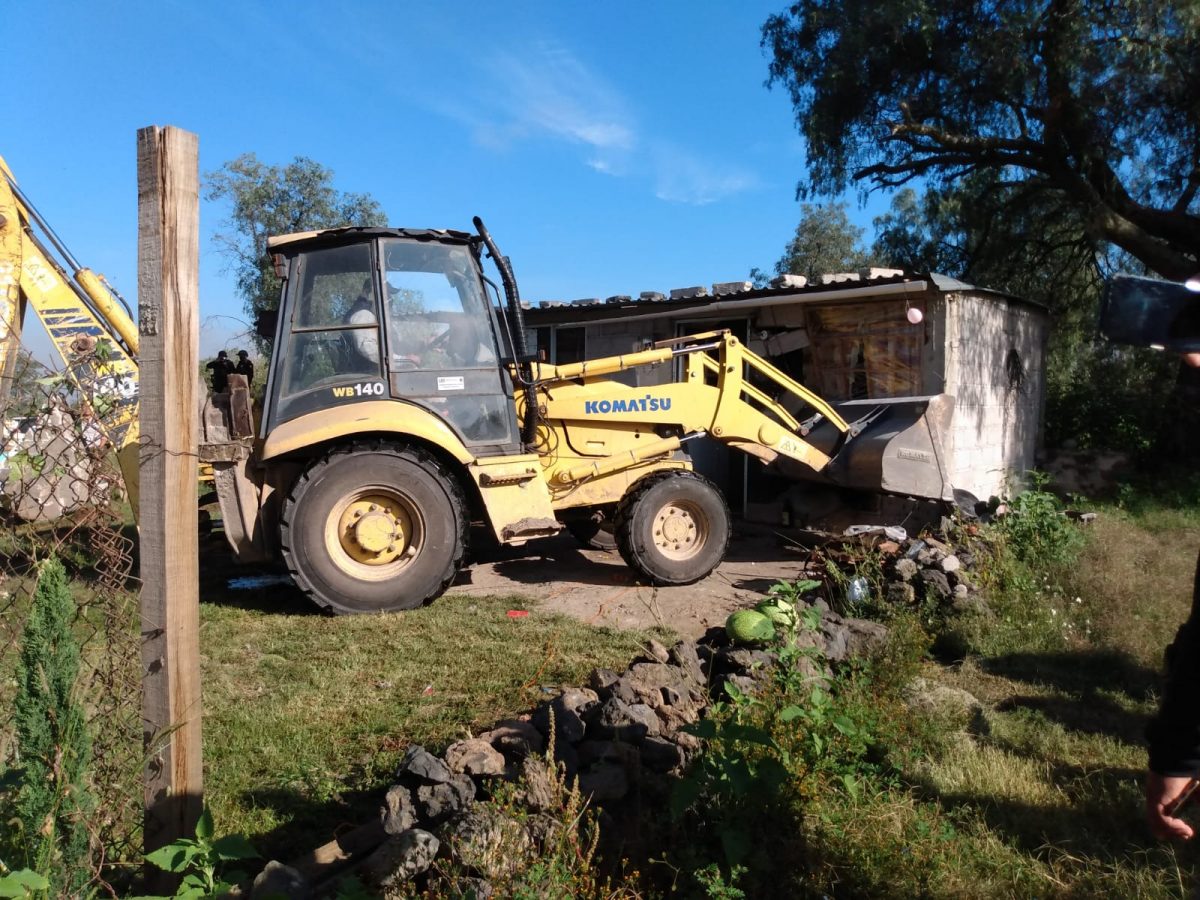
point(87, 322)
point(713, 397)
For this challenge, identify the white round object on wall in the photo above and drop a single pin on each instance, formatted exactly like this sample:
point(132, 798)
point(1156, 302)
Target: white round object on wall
point(915, 315)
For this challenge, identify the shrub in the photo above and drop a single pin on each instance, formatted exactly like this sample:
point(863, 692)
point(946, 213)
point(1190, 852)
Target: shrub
point(52, 802)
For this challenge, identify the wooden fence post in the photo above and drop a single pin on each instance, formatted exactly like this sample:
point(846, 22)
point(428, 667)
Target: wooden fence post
point(168, 321)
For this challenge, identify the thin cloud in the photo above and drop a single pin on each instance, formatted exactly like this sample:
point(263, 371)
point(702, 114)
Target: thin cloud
point(681, 177)
point(547, 92)
point(551, 92)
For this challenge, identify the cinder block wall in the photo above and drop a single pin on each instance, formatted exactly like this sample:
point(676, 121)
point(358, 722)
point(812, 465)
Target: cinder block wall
point(993, 357)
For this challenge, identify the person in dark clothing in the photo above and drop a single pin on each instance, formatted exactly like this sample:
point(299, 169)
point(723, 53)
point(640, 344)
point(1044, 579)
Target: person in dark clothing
point(221, 368)
point(244, 367)
point(1174, 733)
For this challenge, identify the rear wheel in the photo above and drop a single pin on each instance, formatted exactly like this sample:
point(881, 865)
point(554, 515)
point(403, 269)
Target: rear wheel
point(374, 528)
point(673, 528)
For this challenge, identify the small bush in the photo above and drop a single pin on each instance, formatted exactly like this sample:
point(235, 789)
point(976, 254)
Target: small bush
point(52, 802)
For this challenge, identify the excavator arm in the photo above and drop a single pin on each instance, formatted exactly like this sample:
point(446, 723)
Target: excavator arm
point(87, 321)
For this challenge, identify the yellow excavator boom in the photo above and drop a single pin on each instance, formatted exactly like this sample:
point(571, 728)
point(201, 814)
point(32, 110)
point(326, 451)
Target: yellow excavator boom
point(87, 322)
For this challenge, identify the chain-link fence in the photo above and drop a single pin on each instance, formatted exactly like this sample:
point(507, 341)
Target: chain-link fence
point(62, 494)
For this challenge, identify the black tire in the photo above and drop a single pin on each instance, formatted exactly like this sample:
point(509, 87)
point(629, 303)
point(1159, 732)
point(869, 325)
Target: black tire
point(594, 531)
point(374, 528)
point(701, 527)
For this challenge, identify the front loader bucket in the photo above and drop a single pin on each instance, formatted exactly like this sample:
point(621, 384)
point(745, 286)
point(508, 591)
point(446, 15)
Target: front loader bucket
point(897, 446)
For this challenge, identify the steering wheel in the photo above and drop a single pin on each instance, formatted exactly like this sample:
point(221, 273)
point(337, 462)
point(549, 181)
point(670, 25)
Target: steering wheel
point(465, 335)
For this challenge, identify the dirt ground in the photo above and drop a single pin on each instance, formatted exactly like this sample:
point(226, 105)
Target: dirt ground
point(597, 587)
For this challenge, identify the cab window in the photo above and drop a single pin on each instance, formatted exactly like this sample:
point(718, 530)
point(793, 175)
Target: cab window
point(335, 322)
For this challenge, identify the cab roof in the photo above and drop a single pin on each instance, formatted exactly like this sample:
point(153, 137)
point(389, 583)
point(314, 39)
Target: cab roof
point(330, 236)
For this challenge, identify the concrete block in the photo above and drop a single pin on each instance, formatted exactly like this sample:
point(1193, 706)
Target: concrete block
point(789, 281)
point(721, 288)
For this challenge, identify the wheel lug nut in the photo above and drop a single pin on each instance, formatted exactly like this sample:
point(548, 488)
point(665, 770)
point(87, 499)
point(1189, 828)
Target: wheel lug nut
point(391, 548)
point(374, 507)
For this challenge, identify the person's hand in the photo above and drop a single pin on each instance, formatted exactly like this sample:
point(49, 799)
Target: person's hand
point(1162, 792)
point(1192, 359)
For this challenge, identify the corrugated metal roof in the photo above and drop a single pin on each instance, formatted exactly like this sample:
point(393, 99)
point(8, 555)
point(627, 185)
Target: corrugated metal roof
point(825, 287)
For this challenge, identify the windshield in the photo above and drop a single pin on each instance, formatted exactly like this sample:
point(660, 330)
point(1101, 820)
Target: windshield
point(436, 311)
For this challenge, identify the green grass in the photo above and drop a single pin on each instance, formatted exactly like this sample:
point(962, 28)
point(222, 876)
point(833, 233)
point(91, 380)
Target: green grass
point(305, 715)
point(1047, 802)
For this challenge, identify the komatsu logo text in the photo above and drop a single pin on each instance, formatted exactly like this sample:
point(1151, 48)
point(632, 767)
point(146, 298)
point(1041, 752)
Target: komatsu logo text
point(636, 404)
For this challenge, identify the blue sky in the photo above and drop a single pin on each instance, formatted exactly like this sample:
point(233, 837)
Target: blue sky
point(611, 148)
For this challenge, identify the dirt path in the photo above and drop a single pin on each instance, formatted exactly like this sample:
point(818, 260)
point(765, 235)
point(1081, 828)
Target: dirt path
point(598, 588)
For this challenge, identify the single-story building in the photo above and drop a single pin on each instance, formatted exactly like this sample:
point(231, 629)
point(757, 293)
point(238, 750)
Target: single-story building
point(846, 336)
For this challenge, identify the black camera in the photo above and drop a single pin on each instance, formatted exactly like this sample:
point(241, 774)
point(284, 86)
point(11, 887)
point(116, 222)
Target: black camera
point(1146, 312)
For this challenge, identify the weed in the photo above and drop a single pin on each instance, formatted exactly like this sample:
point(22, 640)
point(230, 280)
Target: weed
point(564, 835)
point(201, 861)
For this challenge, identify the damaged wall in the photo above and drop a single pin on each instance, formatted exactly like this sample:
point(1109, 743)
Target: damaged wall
point(994, 365)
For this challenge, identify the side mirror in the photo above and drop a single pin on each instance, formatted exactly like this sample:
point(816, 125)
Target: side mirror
point(1146, 312)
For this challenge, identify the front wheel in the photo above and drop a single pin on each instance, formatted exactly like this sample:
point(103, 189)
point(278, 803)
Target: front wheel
point(374, 528)
point(673, 528)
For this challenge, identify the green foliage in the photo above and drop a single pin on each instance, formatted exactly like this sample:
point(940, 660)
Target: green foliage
point(23, 883)
point(202, 861)
point(268, 200)
point(1036, 530)
point(52, 802)
point(825, 241)
point(804, 731)
point(1088, 108)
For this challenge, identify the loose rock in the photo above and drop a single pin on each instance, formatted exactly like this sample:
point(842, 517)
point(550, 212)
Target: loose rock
point(439, 802)
point(657, 652)
point(625, 722)
point(422, 765)
point(661, 755)
point(907, 569)
point(399, 812)
point(474, 757)
point(604, 782)
point(936, 584)
point(399, 858)
point(278, 880)
point(484, 839)
point(515, 738)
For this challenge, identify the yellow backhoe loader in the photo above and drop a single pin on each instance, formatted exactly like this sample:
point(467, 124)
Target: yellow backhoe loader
point(402, 405)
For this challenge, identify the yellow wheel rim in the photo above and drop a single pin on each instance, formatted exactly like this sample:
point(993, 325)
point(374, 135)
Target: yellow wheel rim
point(680, 530)
point(374, 533)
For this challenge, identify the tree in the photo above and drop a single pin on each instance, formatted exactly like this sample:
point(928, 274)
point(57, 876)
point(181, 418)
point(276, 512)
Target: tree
point(55, 750)
point(270, 200)
point(1085, 108)
point(825, 241)
point(1098, 394)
